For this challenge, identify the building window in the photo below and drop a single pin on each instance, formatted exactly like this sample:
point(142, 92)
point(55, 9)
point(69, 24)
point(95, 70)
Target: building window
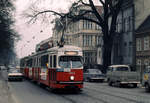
point(90, 40)
point(146, 43)
point(130, 23)
point(91, 25)
point(130, 49)
point(97, 27)
point(146, 62)
point(98, 40)
point(84, 40)
point(139, 62)
point(138, 44)
point(87, 40)
point(84, 24)
point(119, 26)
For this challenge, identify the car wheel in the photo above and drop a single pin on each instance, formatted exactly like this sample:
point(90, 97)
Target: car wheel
point(134, 85)
point(110, 83)
point(147, 87)
point(8, 79)
point(88, 79)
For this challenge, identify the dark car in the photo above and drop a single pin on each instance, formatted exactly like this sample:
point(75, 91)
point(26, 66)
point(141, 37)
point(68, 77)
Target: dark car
point(94, 75)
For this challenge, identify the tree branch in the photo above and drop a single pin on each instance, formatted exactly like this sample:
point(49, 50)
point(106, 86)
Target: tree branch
point(77, 18)
point(114, 17)
point(36, 14)
point(96, 13)
point(102, 2)
point(86, 4)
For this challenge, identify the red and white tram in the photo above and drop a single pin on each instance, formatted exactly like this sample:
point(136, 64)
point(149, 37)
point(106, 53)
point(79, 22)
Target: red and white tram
point(57, 67)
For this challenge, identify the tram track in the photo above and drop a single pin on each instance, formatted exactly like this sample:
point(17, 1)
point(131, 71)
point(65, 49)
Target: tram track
point(113, 89)
point(116, 96)
point(95, 98)
point(68, 99)
point(82, 95)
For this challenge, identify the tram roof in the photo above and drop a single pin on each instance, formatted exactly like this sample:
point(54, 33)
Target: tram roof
point(65, 48)
point(56, 49)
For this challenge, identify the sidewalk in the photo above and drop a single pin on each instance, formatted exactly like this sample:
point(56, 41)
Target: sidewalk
point(5, 95)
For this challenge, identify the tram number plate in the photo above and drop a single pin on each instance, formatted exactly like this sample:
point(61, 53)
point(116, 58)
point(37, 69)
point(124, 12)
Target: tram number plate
point(66, 69)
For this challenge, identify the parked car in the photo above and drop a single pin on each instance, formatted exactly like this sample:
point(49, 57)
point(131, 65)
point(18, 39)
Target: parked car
point(94, 75)
point(122, 75)
point(15, 75)
point(146, 79)
point(2, 67)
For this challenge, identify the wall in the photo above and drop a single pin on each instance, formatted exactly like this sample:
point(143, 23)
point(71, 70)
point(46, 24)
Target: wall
point(142, 10)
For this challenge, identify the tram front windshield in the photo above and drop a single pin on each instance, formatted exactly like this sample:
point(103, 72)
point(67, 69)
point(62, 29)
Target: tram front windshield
point(70, 61)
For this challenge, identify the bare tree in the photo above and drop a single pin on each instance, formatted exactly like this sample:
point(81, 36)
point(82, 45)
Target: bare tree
point(107, 20)
point(8, 36)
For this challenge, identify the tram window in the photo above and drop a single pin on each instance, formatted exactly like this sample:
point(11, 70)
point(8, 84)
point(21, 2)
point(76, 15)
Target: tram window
point(36, 62)
point(50, 61)
point(29, 63)
point(39, 61)
point(33, 62)
point(44, 60)
point(68, 61)
point(54, 61)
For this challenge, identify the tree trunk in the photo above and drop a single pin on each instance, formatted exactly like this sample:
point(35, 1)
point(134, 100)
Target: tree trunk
point(107, 49)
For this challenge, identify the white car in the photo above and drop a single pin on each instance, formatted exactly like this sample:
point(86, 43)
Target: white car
point(15, 75)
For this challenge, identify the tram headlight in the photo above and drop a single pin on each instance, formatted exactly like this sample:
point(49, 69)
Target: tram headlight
point(71, 77)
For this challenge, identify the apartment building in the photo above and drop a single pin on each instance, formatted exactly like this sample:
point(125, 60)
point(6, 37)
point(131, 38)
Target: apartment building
point(142, 26)
point(143, 43)
point(124, 47)
point(84, 34)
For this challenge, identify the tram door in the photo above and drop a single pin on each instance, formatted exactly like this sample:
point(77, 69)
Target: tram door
point(52, 69)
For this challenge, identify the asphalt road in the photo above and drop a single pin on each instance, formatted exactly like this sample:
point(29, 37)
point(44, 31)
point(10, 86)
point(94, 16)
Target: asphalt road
point(29, 92)
point(5, 94)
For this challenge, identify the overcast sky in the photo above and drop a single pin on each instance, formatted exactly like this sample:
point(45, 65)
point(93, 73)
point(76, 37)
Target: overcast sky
point(34, 33)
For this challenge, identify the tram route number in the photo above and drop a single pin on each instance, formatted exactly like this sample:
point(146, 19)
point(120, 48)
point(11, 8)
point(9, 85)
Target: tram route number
point(67, 69)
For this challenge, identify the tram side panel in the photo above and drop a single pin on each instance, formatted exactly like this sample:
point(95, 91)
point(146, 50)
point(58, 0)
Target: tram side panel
point(36, 74)
point(44, 77)
point(26, 72)
point(52, 76)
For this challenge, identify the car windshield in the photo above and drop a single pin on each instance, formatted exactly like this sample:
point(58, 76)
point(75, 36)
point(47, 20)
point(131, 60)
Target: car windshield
point(94, 71)
point(70, 61)
point(14, 71)
point(122, 68)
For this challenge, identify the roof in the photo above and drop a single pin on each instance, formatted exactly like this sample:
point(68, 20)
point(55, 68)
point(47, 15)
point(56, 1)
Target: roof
point(145, 26)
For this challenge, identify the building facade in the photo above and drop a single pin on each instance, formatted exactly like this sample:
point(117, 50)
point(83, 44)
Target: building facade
point(84, 34)
point(124, 46)
point(142, 26)
point(143, 44)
